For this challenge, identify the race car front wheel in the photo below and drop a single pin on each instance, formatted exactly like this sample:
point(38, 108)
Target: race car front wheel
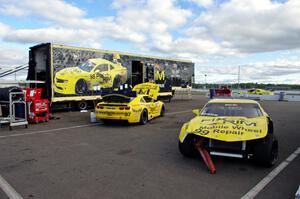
point(117, 82)
point(144, 117)
point(266, 151)
point(81, 87)
point(187, 147)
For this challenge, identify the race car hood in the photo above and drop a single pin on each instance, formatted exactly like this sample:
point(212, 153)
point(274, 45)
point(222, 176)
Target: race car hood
point(70, 72)
point(229, 128)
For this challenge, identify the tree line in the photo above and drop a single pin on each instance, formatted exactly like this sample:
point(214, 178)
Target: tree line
point(250, 85)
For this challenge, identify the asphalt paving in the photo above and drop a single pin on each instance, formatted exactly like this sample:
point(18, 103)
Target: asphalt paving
point(70, 158)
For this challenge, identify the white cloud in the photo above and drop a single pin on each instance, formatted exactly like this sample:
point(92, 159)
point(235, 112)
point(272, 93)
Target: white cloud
point(11, 57)
point(4, 29)
point(204, 3)
point(56, 35)
point(13, 10)
point(277, 71)
point(52, 10)
point(252, 26)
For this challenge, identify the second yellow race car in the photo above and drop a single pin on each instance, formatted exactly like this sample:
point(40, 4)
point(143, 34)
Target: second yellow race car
point(260, 92)
point(94, 72)
point(132, 107)
point(232, 128)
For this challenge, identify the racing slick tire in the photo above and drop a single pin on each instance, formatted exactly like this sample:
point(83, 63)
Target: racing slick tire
point(117, 82)
point(266, 151)
point(81, 87)
point(144, 117)
point(162, 111)
point(187, 148)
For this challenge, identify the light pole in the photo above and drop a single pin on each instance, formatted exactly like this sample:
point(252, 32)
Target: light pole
point(205, 80)
point(239, 74)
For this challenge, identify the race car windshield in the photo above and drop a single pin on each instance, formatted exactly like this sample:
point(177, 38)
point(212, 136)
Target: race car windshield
point(87, 66)
point(116, 99)
point(232, 109)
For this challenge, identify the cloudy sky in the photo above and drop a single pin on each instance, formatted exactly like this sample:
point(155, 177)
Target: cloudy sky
point(260, 36)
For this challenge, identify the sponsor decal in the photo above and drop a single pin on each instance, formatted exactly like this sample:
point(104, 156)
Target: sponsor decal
point(235, 122)
point(226, 126)
point(202, 131)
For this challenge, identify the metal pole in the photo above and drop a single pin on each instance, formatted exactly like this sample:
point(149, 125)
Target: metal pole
point(239, 73)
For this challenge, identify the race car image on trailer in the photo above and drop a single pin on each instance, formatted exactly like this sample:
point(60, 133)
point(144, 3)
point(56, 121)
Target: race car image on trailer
point(94, 72)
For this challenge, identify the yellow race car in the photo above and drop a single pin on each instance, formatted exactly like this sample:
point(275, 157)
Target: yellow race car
point(131, 107)
point(260, 92)
point(94, 72)
point(233, 128)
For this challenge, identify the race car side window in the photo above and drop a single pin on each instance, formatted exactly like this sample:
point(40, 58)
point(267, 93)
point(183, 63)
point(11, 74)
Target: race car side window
point(102, 67)
point(142, 100)
point(148, 99)
point(87, 66)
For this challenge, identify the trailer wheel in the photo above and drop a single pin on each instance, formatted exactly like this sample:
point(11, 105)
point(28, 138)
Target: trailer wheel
point(144, 117)
point(81, 87)
point(266, 151)
point(187, 148)
point(117, 82)
point(83, 105)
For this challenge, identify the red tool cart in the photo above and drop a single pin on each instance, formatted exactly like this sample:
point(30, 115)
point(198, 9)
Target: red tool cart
point(38, 109)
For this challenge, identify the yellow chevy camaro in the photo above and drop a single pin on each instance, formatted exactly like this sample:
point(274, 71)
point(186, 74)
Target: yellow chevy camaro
point(260, 92)
point(232, 128)
point(132, 108)
point(94, 72)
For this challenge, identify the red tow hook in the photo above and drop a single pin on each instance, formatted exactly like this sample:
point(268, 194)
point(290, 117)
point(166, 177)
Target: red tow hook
point(205, 156)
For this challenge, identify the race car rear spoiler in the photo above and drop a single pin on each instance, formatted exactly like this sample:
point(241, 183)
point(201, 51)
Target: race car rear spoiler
point(147, 88)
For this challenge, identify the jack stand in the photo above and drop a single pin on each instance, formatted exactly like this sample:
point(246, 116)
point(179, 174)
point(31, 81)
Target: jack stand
point(205, 156)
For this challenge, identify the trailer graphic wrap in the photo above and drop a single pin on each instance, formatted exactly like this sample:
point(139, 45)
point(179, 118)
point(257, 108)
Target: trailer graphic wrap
point(86, 73)
point(73, 73)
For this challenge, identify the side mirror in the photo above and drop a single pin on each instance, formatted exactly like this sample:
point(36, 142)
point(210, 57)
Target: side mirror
point(196, 112)
point(97, 71)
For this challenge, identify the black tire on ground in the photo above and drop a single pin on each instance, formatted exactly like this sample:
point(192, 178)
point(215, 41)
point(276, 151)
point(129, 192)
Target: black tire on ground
point(83, 105)
point(266, 151)
point(162, 111)
point(144, 117)
point(187, 148)
point(81, 87)
point(106, 121)
point(117, 82)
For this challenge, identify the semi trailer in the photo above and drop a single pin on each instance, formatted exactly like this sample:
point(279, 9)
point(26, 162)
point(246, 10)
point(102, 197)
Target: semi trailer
point(77, 76)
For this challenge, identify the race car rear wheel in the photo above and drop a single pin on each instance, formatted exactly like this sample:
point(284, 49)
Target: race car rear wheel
point(162, 111)
point(81, 87)
point(144, 117)
point(266, 151)
point(187, 147)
